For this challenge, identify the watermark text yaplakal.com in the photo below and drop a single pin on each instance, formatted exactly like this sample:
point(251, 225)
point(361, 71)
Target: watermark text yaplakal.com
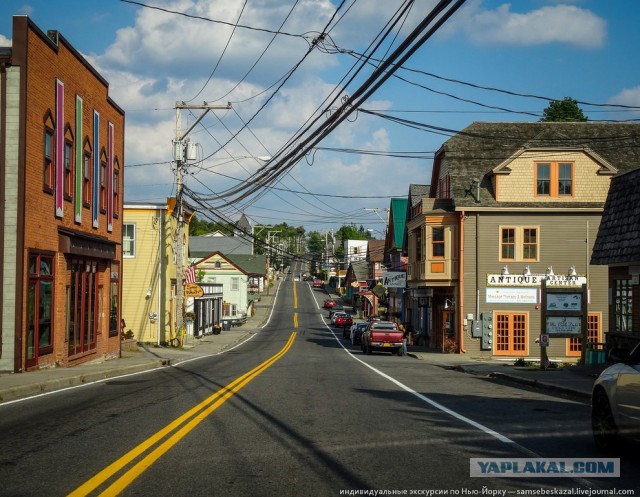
point(544, 467)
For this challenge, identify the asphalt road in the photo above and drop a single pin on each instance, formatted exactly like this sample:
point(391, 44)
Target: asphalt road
point(295, 411)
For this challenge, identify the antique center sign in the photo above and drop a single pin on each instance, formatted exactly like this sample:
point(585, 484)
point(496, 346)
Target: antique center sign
point(394, 279)
point(535, 280)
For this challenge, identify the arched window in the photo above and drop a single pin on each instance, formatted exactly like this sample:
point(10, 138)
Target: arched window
point(103, 181)
point(86, 173)
point(68, 163)
point(49, 152)
point(116, 188)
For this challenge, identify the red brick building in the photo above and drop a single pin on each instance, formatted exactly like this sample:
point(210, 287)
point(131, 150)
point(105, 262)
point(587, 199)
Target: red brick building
point(61, 179)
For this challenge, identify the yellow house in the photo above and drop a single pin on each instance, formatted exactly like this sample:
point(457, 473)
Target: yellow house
point(149, 248)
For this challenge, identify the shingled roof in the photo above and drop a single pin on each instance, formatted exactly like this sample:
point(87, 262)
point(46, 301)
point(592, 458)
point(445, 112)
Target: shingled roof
point(618, 240)
point(482, 146)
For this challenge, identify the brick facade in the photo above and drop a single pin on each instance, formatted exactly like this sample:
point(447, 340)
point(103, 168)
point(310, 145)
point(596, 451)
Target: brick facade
point(86, 254)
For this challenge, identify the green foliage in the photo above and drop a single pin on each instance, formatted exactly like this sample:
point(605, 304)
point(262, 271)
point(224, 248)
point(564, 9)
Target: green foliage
point(315, 244)
point(349, 232)
point(199, 227)
point(289, 236)
point(565, 110)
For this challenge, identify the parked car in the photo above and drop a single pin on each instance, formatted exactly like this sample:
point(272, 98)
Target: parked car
point(329, 303)
point(382, 335)
point(615, 400)
point(334, 309)
point(355, 333)
point(335, 315)
point(318, 283)
point(344, 321)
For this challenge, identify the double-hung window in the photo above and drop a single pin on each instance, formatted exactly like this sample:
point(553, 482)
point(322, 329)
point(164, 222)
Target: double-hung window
point(68, 169)
point(86, 178)
point(519, 243)
point(554, 179)
point(437, 242)
point(49, 161)
point(103, 185)
point(129, 240)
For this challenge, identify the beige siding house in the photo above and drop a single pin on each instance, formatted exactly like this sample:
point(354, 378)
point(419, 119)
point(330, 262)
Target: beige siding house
point(149, 270)
point(242, 277)
point(512, 205)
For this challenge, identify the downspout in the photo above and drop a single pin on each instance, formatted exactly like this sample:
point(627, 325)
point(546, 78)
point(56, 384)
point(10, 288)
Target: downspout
point(3, 141)
point(461, 287)
point(161, 315)
point(477, 265)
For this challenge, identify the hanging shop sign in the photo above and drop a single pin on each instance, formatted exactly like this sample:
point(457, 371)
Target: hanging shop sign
point(193, 290)
point(394, 279)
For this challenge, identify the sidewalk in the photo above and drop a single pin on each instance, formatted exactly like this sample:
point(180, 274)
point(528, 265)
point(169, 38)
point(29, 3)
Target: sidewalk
point(141, 358)
point(575, 381)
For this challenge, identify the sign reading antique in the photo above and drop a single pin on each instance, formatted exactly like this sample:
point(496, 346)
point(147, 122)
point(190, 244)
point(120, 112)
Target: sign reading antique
point(193, 290)
point(394, 279)
point(564, 325)
point(534, 280)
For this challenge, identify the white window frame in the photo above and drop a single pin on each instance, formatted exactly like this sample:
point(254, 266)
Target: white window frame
point(131, 255)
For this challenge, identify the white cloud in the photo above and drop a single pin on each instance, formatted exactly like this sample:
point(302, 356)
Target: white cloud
point(628, 96)
point(550, 24)
point(162, 58)
point(4, 41)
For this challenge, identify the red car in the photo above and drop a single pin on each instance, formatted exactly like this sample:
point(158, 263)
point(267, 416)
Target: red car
point(318, 283)
point(329, 303)
point(344, 321)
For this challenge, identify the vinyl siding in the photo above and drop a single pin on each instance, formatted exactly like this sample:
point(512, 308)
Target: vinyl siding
point(565, 240)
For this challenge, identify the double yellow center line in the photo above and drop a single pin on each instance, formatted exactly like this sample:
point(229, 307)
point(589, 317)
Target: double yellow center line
point(177, 430)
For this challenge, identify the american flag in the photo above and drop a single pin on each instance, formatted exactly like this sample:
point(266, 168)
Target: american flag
point(190, 274)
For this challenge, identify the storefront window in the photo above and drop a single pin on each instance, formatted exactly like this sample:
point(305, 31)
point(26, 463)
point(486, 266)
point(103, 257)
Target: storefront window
point(39, 307)
point(114, 293)
point(623, 309)
point(81, 306)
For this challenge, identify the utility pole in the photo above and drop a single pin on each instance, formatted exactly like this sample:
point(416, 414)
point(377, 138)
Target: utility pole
point(183, 151)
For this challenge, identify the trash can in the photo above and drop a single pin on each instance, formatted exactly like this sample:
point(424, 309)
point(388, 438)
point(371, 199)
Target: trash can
point(226, 325)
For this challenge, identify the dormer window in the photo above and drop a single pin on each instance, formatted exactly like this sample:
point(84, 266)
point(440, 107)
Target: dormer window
point(554, 179)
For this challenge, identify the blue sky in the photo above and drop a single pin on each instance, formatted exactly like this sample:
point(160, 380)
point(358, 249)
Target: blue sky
point(584, 49)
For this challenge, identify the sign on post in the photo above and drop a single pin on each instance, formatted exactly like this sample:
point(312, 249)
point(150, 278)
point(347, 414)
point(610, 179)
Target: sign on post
point(564, 314)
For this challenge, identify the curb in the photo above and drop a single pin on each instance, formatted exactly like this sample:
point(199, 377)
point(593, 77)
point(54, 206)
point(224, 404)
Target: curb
point(542, 385)
point(52, 385)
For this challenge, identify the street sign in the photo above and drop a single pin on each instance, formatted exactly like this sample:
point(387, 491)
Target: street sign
point(379, 290)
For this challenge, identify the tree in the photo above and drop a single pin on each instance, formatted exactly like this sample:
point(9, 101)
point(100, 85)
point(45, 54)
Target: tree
point(349, 232)
point(201, 227)
point(565, 110)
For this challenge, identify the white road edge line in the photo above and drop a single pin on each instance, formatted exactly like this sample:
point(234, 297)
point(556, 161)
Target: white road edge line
point(582, 481)
point(429, 401)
